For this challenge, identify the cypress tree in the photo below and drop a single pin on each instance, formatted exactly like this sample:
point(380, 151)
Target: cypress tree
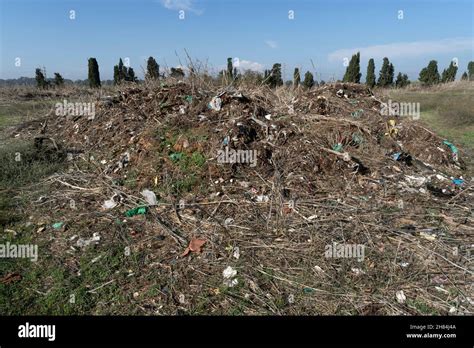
point(93, 76)
point(58, 80)
point(402, 80)
point(405, 81)
point(353, 69)
point(266, 75)
point(275, 79)
point(230, 69)
point(470, 71)
point(116, 75)
point(391, 74)
point(430, 75)
point(40, 79)
point(296, 78)
point(177, 73)
point(370, 77)
point(152, 69)
point(130, 75)
point(122, 71)
point(386, 74)
point(308, 80)
point(449, 74)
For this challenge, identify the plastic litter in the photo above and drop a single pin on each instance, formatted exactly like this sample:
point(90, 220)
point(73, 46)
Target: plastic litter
point(150, 197)
point(215, 104)
point(428, 236)
point(357, 138)
point(176, 156)
point(81, 242)
point(112, 202)
point(458, 182)
point(136, 211)
point(194, 246)
point(401, 298)
point(453, 148)
point(337, 147)
point(415, 181)
point(263, 198)
point(124, 160)
point(109, 204)
point(57, 225)
point(228, 221)
point(357, 113)
point(392, 129)
point(236, 253)
point(396, 156)
point(229, 275)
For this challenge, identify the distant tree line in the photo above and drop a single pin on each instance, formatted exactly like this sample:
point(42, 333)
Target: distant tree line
point(272, 77)
point(43, 82)
point(428, 76)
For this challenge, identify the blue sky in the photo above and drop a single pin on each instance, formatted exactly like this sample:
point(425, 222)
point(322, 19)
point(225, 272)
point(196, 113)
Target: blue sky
point(259, 33)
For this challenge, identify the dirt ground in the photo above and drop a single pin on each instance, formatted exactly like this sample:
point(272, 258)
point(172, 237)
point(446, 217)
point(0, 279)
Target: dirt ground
point(255, 236)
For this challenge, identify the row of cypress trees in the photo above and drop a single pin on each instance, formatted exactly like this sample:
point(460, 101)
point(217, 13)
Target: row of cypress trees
point(273, 77)
point(428, 75)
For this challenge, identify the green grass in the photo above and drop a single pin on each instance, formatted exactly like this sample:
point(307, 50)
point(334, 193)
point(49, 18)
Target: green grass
point(449, 111)
point(421, 307)
point(16, 112)
point(188, 165)
point(49, 287)
point(21, 164)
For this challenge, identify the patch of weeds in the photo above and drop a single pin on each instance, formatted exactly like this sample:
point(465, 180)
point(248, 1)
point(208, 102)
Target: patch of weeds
point(22, 164)
point(188, 162)
point(131, 180)
point(8, 210)
point(185, 184)
point(422, 307)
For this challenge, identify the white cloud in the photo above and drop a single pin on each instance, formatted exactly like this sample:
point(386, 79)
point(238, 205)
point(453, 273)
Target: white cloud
point(242, 65)
point(186, 5)
point(406, 49)
point(249, 65)
point(271, 43)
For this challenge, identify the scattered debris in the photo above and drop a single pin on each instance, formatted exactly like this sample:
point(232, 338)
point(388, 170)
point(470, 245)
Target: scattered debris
point(401, 298)
point(150, 197)
point(57, 225)
point(229, 275)
point(81, 242)
point(215, 104)
point(453, 148)
point(236, 253)
point(136, 211)
point(352, 174)
point(10, 278)
point(195, 246)
point(112, 202)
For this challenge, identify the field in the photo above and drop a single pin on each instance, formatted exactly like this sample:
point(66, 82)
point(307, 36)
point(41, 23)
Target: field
point(445, 109)
point(236, 239)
